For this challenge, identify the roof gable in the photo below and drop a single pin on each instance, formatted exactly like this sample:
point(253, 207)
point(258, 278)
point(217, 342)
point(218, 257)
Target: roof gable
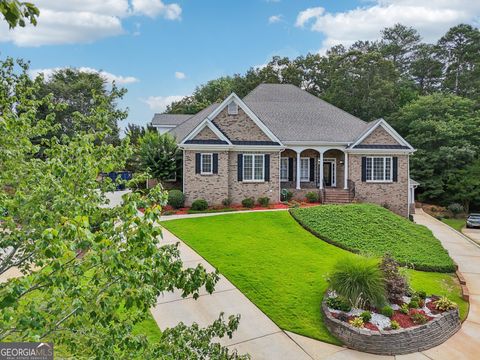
point(380, 135)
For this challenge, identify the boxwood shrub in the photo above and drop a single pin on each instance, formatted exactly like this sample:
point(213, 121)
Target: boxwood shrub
point(248, 202)
point(199, 205)
point(176, 199)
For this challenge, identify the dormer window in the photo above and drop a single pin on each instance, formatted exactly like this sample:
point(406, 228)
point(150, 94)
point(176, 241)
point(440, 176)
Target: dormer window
point(233, 108)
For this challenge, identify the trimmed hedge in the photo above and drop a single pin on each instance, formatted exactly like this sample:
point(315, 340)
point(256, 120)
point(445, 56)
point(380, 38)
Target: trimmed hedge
point(372, 230)
point(176, 199)
point(199, 205)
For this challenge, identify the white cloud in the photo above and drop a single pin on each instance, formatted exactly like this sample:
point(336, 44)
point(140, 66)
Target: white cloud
point(84, 21)
point(154, 8)
point(275, 19)
point(432, 18)
point(160, 103)
point(180, 75)
point(119, 80)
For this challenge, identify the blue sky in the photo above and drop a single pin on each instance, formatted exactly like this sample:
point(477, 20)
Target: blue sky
point(160, 50)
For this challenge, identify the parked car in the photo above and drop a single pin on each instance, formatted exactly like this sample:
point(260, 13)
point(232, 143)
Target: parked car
point(473, 220)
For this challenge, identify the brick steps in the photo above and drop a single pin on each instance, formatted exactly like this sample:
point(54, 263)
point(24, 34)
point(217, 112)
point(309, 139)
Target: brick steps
point(336, 196)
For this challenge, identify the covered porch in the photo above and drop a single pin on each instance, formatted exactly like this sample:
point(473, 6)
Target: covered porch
point(325, 170)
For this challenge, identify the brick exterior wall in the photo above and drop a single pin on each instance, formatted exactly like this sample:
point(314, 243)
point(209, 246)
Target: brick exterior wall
point(206, 134)
point(395, 342)
point(393, 196)
point(213, 188)
point(241, 190)
point(217, 187)
point(239, 127)
point(379, 136)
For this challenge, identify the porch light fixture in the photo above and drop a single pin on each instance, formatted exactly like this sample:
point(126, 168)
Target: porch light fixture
point(341, 162)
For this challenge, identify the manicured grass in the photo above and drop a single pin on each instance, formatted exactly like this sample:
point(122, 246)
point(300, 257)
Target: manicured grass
point(276, 263)
point(457, 224)
point(372, 230)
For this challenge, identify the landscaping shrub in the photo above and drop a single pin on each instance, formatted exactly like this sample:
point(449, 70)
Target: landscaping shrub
point(199, 205)
point(357, 322)
point(248, 203)
point(370, 229)
point(422, 295)
point(387, 311)
point(312, 197)
point(358, 280)
point(176, 199)
point(444, 304)
point(417, 317)
point(413, 304)
point(404, 309)
point(263, 201)
point(286, 195)
point(394, 325)
point(395, 283)
point(337, 303)
point(366, 316)
point(455, 208)
point(227, 202)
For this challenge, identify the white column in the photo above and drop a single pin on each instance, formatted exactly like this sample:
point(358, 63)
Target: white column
point(298, 169)
point(345, 173)
point(321, 169)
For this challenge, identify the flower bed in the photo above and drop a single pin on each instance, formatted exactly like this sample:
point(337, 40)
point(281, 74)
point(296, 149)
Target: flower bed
point(407, 330)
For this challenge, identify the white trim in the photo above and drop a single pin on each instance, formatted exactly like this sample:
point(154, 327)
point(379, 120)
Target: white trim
point(214, 147)
point(201, 164)
point(247, 110)
point(253, 180)
point(384, 180)
point(315, 143)
point(391, 131)
point(387, 152)
point(308, 177)
point(205, 123)
point(280, 168)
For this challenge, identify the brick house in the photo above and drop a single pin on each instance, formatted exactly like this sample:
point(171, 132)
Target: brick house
point(281, 137)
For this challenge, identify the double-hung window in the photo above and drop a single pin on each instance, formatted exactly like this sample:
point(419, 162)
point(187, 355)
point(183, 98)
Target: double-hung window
point(284, 169)
point(304, 169)
point(206, 164)
point(253, 167)
point(379, 168)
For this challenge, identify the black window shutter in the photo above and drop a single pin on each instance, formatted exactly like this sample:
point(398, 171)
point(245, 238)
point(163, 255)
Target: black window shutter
point(267, 167)
point(290, 169)
point(215, 163)
point(312, 169)
point(395, 169)
point(197, 163)
point(240, 167)
point(364, 168)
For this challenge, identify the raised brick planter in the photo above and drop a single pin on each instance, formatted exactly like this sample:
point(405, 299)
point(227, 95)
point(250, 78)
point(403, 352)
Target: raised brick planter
point(395, 342)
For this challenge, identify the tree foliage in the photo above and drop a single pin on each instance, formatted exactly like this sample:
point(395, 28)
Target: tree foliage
point(445, 131)
point(17, 13)
point(76, 91)
point(90, 273)
point(159, 155)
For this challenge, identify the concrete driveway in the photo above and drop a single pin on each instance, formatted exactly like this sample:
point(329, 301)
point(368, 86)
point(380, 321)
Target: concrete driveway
point(473, 234)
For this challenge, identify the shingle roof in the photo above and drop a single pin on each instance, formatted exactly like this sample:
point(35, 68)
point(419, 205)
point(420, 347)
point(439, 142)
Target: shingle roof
point(293, 114)
point(170, 119)
point(182, 130)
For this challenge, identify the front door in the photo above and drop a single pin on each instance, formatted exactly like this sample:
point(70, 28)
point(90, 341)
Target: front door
point(329, 172)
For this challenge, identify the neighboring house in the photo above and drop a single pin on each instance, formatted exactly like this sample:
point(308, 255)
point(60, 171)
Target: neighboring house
point(281, 137)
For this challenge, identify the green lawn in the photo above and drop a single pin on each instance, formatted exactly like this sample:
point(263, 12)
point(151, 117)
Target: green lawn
point(457, 224)
point(371, 229)
point(280, 266)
